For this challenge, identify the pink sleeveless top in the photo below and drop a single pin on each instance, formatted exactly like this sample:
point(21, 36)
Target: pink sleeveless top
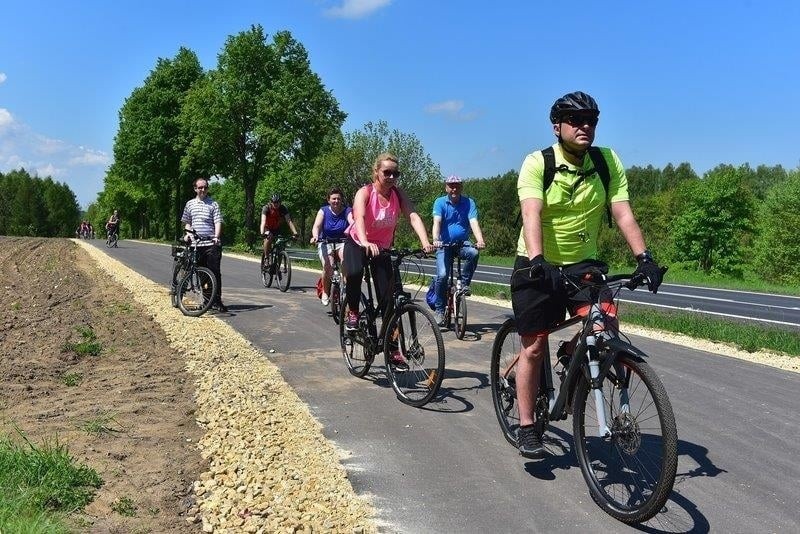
point(379, 221)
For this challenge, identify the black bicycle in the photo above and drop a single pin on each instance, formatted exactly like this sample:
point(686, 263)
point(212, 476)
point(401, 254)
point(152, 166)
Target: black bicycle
point(455, 314)
point(409, 339)
point(337, 283)
point(277, 265)
point(623, 425)
point(112, 239)
point(193, 289)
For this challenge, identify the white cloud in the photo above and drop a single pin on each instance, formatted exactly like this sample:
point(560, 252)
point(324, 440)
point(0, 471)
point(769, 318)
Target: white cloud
point(356, 9)
point(3, 77)
point(80, 167)
point(5, 118)
point(452, 109)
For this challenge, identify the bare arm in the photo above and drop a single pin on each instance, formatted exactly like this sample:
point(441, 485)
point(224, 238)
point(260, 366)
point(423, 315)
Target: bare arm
point(623, 215)
point(476, 231)
point(416, 221)
point(436, 231)
point(317, 226)
point(291, 225)
point(262, 227)
point(532, 225)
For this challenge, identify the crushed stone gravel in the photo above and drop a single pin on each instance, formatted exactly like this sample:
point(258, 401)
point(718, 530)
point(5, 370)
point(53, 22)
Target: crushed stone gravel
point(270, 467)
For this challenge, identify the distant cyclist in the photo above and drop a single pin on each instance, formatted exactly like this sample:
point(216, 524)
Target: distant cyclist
point(112, 225)
point(272, 215)
point(454, 215)
point(331, 222)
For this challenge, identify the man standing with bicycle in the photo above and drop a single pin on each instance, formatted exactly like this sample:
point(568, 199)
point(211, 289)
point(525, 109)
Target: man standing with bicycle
point(562, 210)
point(202, 214)
point(453, 216)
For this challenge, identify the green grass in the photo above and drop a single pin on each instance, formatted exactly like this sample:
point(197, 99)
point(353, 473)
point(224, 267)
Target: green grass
point(40, 485)
point(103, 423)
point(89, 346)
point(72, 379)
point(124, 506)
point(750, 338)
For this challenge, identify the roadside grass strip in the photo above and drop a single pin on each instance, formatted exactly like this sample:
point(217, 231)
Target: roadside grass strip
point(40, 485)
point(269, 466)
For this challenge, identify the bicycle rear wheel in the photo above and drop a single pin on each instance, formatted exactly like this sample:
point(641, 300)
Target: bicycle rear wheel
point(414, 353)
point(356, 345)
point(197, 291)
point(505, 350)
point(460, 323)
point(336, 301)
point(283, 272)
point(630, 473)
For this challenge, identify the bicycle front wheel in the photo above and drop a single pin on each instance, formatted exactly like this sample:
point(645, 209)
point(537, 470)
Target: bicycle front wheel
point(336, 301)
point(630, 470)
point(197, 291)
point(178, 273)
point(356, 344)
point(283, 272)
point(266, 271)
point(460, 324)
point(505, 351)
point(414, 353)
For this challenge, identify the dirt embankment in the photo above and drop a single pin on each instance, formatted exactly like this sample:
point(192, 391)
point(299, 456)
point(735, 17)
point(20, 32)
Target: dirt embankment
point(199, 430)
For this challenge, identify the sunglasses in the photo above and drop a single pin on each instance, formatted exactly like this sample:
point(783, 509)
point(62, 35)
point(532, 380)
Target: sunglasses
point(387, 173)
point(202, 187)
point(580, 120)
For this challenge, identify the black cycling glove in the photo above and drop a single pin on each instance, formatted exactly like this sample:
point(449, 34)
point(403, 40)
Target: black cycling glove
point(549, 274)
point(650, 270)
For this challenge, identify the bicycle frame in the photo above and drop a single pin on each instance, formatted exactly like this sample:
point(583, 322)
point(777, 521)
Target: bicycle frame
point(587, 359)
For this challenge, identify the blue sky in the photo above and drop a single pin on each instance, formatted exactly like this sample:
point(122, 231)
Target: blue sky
point(705, 82)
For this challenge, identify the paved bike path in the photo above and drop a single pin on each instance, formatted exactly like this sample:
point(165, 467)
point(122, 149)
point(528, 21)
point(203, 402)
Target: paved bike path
point(446, 468)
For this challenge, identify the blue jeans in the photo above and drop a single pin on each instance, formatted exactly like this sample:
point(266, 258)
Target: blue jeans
point(444, 266)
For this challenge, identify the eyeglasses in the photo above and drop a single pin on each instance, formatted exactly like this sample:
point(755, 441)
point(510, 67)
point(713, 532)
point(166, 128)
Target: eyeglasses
point(387, 173)
point(203, 187)
point(580, 120)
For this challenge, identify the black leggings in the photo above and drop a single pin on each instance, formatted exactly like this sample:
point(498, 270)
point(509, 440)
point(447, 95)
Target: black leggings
point(353, 261)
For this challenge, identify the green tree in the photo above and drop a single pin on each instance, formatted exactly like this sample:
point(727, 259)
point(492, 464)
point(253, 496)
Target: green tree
point(61, 209)
point(150, 144)
point(777, 248)
point(716, 220)
point(260, 109)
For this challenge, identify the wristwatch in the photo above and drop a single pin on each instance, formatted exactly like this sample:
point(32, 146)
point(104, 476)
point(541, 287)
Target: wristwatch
point(645, 257)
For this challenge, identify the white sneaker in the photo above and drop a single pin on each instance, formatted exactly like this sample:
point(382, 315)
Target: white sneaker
point(325, 299)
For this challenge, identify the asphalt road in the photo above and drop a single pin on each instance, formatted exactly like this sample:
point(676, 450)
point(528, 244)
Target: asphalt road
point(763, 308)
point(447, 468)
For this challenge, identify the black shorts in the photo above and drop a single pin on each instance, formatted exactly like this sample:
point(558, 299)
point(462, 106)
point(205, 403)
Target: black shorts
point(536, 308)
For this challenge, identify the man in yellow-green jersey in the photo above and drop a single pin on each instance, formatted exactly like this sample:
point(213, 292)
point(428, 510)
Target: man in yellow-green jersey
point(561, 218)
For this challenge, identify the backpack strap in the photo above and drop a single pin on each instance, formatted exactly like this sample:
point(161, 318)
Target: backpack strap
point(549, 156)
point(601, 166)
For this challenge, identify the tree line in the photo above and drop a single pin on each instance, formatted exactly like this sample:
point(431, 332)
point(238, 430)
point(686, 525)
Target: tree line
point(262, 122)
point(38, 207)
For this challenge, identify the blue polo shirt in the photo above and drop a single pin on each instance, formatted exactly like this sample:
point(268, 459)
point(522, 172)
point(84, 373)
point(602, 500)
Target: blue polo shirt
point(455, 217)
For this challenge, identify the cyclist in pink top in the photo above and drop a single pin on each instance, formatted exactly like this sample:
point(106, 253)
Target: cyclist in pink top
point(376, 211)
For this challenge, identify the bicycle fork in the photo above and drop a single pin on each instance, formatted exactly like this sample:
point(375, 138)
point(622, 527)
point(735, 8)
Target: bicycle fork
point(602, 407)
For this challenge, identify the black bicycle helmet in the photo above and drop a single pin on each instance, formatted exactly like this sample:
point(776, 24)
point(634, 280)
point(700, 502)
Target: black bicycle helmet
point(572, 102)
point(276, 197)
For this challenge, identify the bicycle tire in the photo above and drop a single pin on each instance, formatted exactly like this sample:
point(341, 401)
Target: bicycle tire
point(620, 470)
point(448, 309)
point(505, 349)
point(355, 346)
point(178, 272)
point(460, 323)
point(283, 272)
point(412, 333)
point(197, 291)
point(336, 301)
point(266, 272)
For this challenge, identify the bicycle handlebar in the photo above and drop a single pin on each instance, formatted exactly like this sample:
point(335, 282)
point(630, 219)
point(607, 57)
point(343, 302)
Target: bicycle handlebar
point(591, 278)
